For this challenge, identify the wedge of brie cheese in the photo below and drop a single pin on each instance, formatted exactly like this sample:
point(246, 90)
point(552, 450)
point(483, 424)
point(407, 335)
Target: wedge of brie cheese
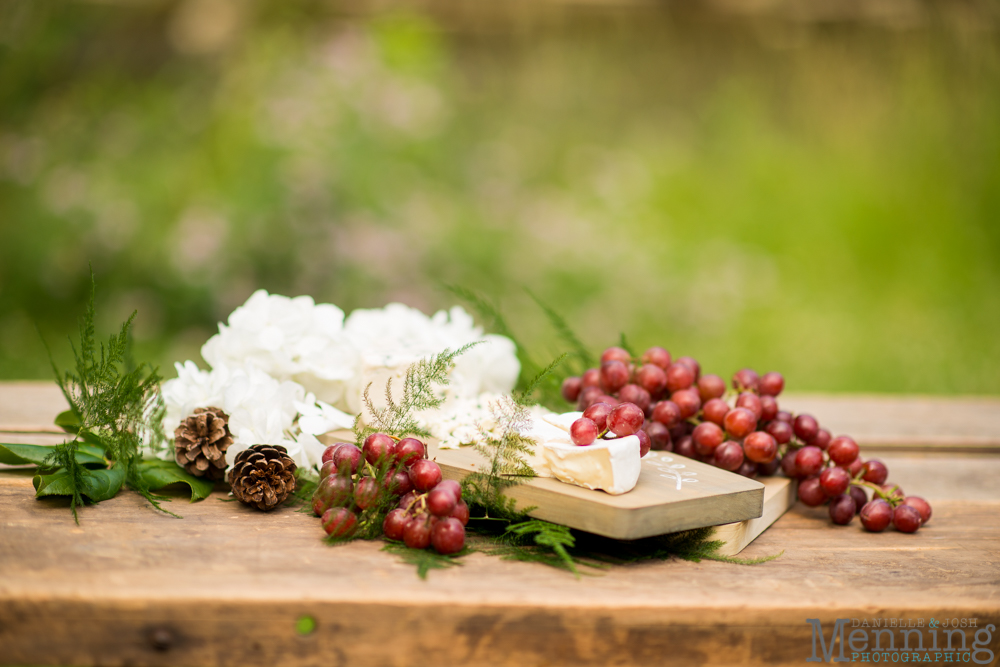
point(609, 465)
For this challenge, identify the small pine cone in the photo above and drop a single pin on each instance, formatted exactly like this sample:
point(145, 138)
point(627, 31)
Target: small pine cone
point(201, 441)
point(263, 476)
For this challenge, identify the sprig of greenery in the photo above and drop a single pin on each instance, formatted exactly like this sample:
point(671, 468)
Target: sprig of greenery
point(420, 392)
point(113, 403)
point(425, 559)
point(549, 536)
point(565, 333)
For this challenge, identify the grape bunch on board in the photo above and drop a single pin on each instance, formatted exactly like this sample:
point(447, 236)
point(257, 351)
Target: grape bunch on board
point(430, 510)
point(741, 429)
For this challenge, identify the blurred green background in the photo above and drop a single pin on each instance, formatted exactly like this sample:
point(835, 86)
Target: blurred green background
point(807, 187)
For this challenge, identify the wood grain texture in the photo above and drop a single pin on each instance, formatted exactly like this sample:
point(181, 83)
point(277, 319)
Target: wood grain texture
point(226, 584)
point(661, 501)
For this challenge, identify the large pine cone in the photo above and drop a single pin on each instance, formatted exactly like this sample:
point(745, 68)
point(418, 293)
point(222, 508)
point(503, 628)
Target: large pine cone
point(263, 476)
point(201, 441)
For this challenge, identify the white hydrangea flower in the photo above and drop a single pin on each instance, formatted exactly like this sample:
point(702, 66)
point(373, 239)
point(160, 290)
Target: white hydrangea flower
point(397, 336)
point(261, 409)
point(289, 339)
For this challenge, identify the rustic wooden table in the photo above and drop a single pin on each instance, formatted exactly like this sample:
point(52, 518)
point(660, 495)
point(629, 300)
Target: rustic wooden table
point(227, 585)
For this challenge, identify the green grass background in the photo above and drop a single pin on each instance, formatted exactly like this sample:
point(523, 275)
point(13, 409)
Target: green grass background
point(814, 194)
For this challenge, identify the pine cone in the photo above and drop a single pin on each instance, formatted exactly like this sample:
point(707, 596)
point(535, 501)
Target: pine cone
point(263, 476)
point(201, 441)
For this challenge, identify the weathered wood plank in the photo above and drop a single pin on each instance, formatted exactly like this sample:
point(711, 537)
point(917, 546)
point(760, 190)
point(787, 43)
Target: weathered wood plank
point(226, 584)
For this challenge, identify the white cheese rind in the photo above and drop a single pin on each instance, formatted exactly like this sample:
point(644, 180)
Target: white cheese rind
point(612, 466)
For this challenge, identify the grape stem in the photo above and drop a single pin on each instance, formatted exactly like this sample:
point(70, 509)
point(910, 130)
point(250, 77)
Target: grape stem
point(891, 498)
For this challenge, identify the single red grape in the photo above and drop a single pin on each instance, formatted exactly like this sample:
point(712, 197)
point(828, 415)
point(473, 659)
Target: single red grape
point(652, 378)
point(751, 402)
point(614, 376)
point(378, 446)
point(394, 524)
point(784, 416)
point(408, 499)
point(842, 509)
point(728, 456)
point(398, 483)
point(748, 469)
point(645, 444)
point(659, 435)
point(331, 450)
point(679, 376)
point(441, 502)
point(876, 515)
point(860, 497)
point(633, 393)
point(769, 468)
point(348, 456)
point(685, 447)
point(921, 505)
point(715, 410)
point(417, 534)
point(760, 447)
point(746, 379)
point(768, 408)
point(616, 354)
point(448, 536)
point(424, 474)
point(822, 439)
point(875, 472)
point(809, 461)
point(667, 413)
point(805, 427)
point(328, 468)
point(590, 378)
point(691, 363)
point(409, 450)
point(810, 492)
point(740, 422)
point(843, 450)
point(571, 388)
point(451, 485)
point(711, 386)
point(583, 432)
point(366, 492)
point(906, 518)
point(461, 512)
point(598, 413)
point(707, 436)
point(333, 491)
point(610, 400)
point(835, 481)
point(589, 396)
point(780, 431)
point(657, 356)
point(772, 383)
point(625, 419)
point(688, 401)
point(788, 465)
point(339, 522)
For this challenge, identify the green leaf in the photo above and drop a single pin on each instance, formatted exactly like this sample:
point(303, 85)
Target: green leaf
point(158, 474)
point(97, 485)
point(16, 454)
point(68, 421)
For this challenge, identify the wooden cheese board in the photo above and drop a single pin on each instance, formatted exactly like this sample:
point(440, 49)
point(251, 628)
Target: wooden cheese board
point(673, 493)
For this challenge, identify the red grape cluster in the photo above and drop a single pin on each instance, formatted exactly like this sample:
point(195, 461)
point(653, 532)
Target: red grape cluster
point(430, 510)
point(742, 430)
